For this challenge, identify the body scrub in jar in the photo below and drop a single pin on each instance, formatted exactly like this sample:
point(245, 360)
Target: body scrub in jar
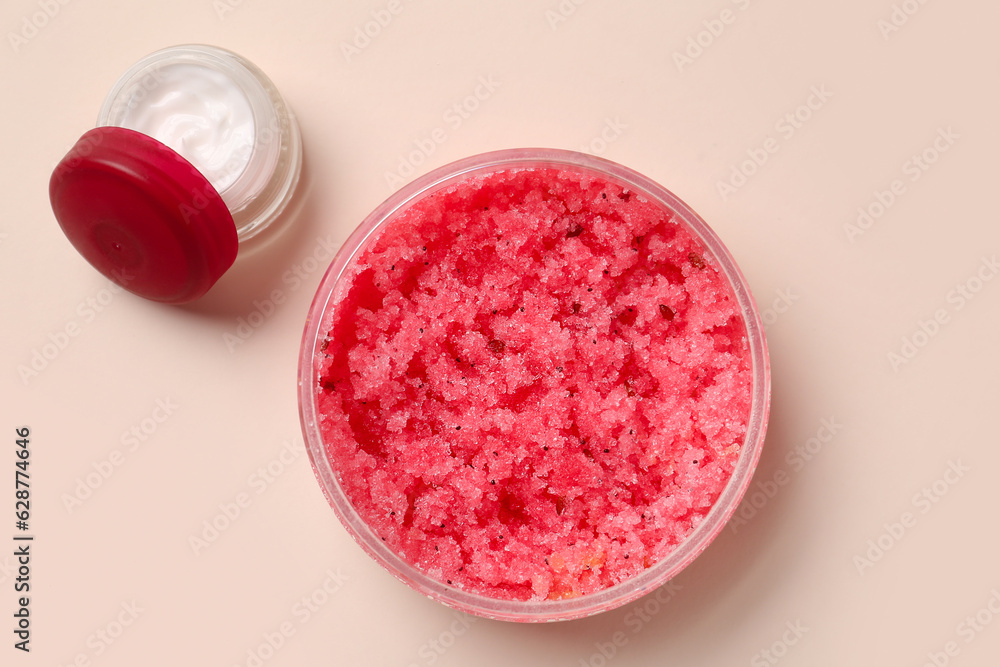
point(534, 385)
point(195, 151)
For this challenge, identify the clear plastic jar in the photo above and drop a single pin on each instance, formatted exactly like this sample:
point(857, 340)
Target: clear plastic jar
point(195, 152)
point(334, 287)
point(209, 90)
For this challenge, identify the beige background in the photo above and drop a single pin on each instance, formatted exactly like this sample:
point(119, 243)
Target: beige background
point(597, 74)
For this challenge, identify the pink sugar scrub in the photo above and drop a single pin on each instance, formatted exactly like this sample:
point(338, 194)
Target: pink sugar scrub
point(533, 384)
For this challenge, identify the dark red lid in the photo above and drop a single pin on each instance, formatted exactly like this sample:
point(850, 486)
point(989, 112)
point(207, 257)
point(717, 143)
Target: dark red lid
point(143, 215)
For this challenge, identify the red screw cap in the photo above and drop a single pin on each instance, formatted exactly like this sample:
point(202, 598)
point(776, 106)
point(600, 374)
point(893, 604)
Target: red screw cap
point(143, 215)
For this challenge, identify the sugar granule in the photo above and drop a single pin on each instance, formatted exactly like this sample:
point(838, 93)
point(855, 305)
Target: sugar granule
point(534, 384)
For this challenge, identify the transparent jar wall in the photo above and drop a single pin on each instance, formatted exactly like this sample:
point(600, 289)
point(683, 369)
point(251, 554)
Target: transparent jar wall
point(258, 187)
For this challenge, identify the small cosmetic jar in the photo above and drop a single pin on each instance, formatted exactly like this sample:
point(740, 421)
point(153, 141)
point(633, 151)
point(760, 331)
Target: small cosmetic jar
point(534, 385)
point(194, 153)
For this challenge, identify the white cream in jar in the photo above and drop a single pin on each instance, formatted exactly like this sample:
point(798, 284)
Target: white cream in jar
point(201, 114)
